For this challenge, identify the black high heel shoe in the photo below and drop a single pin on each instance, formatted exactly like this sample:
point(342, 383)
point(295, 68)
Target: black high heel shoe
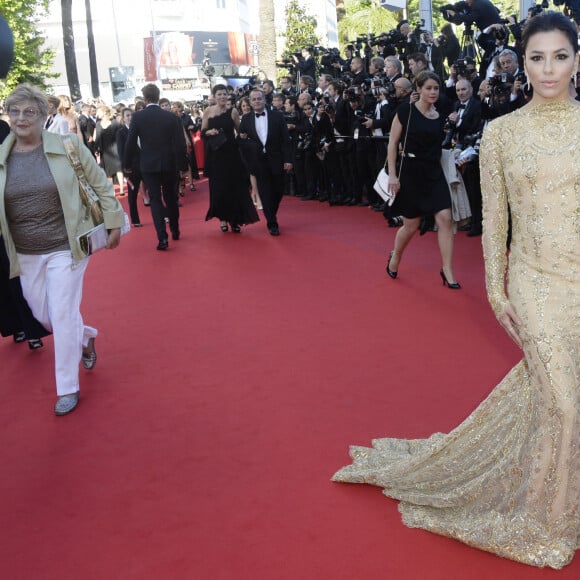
point(450, 285)
point(224, 227)
point(236, 229)
point(390, 272)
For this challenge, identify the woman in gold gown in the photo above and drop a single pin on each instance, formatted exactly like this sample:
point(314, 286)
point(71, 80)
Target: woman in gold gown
point(507, 480)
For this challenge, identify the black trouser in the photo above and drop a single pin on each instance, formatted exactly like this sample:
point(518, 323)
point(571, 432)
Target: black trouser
point(366, 173)
point(133, 183)
point(162, 187)
point(15, 314)
point(346, 174)
point(271, 189)
point(473, 187)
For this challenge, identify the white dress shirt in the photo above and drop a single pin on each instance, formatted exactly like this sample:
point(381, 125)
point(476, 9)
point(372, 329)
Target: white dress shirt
point(262, 128)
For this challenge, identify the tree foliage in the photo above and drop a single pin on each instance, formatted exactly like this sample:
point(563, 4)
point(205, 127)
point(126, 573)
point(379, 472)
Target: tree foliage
point(32, 61)
point(300, 28)
point(362, 17)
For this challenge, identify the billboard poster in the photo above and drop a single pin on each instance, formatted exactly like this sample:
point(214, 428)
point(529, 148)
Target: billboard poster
point(179, 59)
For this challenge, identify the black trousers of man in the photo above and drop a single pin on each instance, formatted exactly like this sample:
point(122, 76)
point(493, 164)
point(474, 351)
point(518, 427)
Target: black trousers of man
point(271, 189)
point(162, 187)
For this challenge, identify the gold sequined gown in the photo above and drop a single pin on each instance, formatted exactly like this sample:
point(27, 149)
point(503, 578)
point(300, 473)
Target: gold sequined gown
point(507, 480)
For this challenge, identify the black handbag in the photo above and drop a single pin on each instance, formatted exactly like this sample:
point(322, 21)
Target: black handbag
point(216, 142)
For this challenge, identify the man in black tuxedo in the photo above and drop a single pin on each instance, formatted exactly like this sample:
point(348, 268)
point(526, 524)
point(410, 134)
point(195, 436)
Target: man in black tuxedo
point(162, 144)
point(267, 151)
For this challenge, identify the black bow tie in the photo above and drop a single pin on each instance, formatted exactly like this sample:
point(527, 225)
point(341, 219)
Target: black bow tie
point(260, 115)
point(462, 106)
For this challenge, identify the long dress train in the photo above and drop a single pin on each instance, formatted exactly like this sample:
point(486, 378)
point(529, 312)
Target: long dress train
point(507, 480)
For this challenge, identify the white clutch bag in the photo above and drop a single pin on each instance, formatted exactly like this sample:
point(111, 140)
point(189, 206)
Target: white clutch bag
point(382, 187)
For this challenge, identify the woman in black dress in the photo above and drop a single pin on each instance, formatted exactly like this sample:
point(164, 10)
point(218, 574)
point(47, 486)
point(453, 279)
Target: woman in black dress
point(422, 189)
point(229, 186)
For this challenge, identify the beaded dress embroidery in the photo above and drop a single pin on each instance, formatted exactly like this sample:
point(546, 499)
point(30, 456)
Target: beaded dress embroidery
point(507, 480)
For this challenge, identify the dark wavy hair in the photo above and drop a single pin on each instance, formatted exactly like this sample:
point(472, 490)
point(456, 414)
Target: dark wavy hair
point(548, 22)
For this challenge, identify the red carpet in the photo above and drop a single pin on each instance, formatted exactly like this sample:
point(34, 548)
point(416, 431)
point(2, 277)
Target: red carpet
point(233, 373)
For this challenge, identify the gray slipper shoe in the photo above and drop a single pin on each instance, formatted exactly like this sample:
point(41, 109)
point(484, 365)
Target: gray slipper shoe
point(66, 404)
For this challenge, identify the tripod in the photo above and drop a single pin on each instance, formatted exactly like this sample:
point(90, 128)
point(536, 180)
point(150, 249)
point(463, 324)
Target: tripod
point(469, 48)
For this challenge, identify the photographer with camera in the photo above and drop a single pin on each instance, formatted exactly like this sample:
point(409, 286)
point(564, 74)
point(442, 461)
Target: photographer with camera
point(462, 130)
point(307, 163)
point(366, 172)
point(331, 62)
point(448, 44)
point(305, 64)
point(482, 13)
point(345, 171)
point(462, 68)
point(503, 92)
point(493, 41)
point(433, 53)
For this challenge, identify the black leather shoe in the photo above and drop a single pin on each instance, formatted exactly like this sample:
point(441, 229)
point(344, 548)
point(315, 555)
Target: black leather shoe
point(175, 235)
point(474, 232)
point(309, 198)
point(236, 229)
point(163, 245)
point(274, 230)
point(363, 203)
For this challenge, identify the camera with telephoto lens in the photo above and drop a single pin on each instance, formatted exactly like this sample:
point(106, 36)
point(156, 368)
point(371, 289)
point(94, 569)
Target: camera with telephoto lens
point(459, 15)
point(353, 94)
point(501, 82)
point(461, 65)
point(361, 116)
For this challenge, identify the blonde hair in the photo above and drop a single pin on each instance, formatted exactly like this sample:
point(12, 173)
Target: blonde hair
point(62, 109)
point(105, 112)
point(27, 92)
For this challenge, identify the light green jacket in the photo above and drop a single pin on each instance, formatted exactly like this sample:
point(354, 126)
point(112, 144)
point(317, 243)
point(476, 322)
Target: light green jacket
point(76, 218)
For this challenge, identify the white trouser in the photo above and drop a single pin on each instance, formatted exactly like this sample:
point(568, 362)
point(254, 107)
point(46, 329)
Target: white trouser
point(53, 286)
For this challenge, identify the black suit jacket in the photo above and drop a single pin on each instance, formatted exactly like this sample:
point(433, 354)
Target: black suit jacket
point(88, 126)
point(160, 134)
point(307, 67)
point(470, 120)
point(121, 138)
point(278, 145)
point(481, 12)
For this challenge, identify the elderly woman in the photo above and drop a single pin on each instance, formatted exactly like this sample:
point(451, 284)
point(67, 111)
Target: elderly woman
point(41, 217)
